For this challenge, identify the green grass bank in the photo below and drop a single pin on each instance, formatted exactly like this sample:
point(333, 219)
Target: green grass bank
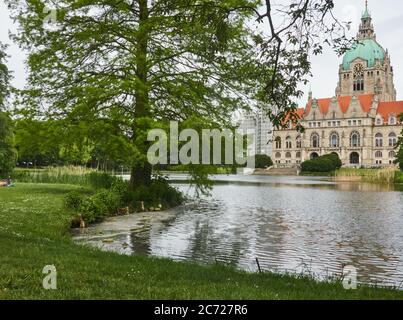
point(34, 232)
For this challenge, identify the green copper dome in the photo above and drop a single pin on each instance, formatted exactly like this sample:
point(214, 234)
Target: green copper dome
point(366, 49)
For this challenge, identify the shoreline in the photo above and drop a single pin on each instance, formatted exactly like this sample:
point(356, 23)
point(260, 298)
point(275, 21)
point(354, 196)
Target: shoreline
point(87, 273)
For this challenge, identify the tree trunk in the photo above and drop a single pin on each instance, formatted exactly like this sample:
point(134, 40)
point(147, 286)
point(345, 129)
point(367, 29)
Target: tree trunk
point(141, 171)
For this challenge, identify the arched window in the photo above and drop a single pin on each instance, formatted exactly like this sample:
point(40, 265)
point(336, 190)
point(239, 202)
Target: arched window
point(378, 154)
point(379, 140)
point(392, 139)
point(392, 120)
point(334, 140)
point(315, 140)
point(288, 155)
point(354, 158)
point(313, 156)
point(278, 155)
point(355, 140)
point(379, 121)
point(299, 142)
point(298, 155)
point(278, 143)
point(288, 143)
point(392, 154)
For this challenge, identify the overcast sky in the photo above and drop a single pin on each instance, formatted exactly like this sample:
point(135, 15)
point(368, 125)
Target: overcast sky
point(387, 17)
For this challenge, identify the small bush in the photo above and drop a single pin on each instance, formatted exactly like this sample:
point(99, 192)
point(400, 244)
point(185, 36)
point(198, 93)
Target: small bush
point(107, 202)
point(73, 200)
point(93, 209)
point(321, 164)
point(334, 158)
point(159, 192)
point(121, 188)
point(111, 200)
point(263, 161)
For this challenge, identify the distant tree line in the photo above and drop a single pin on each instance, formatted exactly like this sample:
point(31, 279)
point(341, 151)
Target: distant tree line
point(54, 143)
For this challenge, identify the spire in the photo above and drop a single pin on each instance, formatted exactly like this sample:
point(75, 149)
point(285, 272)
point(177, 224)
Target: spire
point(366, 28)
point(366, 14)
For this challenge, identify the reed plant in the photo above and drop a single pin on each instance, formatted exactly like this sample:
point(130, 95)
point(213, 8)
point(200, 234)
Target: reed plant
point(385, 175)
point(65, 175)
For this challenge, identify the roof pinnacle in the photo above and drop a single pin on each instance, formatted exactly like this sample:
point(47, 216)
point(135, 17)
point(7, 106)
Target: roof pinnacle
point(366, 13)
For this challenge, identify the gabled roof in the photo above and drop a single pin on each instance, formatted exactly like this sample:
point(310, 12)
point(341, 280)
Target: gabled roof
point(297, 114)
point(344, 103)
point(386, 109)
point(300, 112)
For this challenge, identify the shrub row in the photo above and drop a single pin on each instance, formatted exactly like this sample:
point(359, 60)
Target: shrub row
point(95, 208)
point(327, 163)
point(109, 202)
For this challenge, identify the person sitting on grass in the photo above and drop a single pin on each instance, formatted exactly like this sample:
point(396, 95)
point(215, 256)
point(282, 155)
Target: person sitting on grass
point(6, 182)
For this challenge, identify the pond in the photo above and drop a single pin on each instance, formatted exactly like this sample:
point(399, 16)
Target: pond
point(291, 224)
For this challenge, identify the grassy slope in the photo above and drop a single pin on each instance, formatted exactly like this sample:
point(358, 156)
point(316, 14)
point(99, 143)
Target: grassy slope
point(34, 233)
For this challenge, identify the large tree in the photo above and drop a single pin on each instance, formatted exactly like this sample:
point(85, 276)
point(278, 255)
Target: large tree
point(4, 78)
point(7, 151)
point(130, 63)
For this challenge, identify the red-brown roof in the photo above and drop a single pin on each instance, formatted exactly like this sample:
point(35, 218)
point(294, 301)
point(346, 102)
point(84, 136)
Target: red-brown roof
point(300, 112)
point(344, 102)
point(385, 109)
point(294, 116)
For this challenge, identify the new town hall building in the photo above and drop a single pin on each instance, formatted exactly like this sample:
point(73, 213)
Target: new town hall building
point(361, 123)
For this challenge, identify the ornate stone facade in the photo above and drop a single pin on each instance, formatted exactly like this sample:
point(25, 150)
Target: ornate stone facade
point(361, 123)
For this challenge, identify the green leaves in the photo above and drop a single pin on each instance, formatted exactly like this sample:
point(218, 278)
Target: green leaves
point(115, 67)
point(109, 63)
point(7, 151)
point(4, 77)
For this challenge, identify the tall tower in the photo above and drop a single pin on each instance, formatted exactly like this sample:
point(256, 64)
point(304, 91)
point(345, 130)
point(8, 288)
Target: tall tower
point(366, 67)
point(366, 30)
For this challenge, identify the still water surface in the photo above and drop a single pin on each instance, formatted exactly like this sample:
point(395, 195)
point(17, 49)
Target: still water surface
point(291, 224)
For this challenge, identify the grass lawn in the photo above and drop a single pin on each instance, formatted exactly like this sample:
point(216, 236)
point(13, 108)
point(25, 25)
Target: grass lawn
point(34, 233)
